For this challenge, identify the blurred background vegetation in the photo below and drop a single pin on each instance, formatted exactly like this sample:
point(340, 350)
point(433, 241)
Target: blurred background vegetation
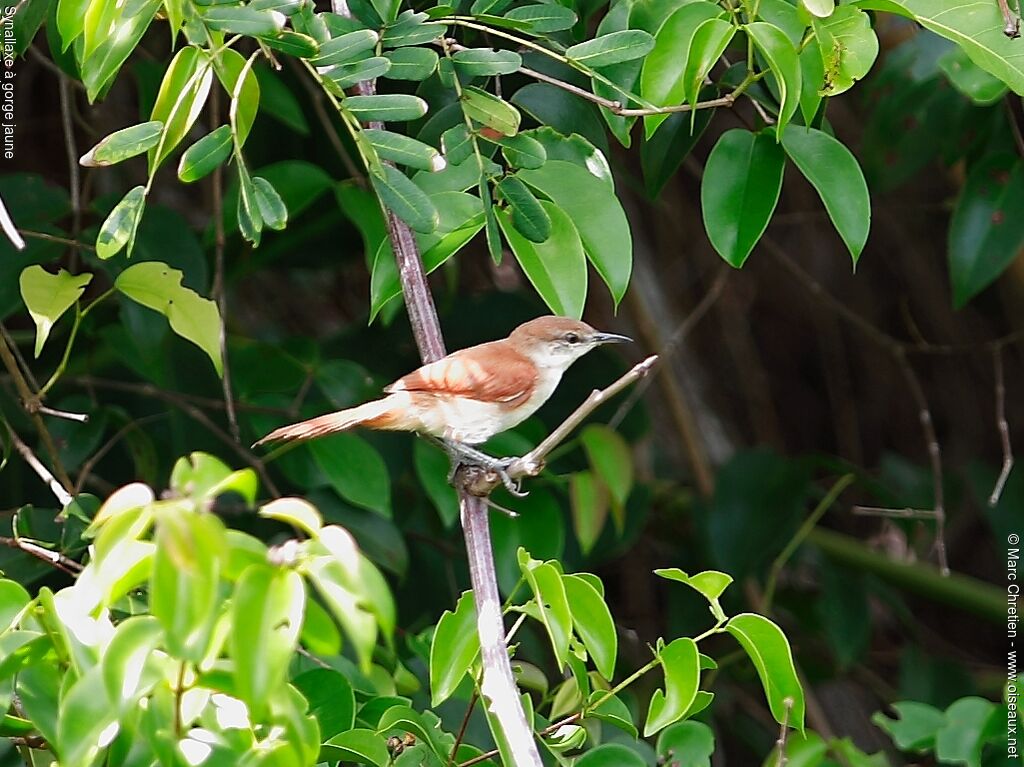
point(777, 379)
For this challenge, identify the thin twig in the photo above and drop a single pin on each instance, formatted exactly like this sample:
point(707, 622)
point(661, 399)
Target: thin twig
point(55, 558)
point(1003, 426)
point(7, 224)
point(61, 493)
point(74, 177)
point(462, 727)
point(481, 482)
point(87, 467)
point(892, 513)
point(780, 744)
point(1011, 21)
point(669, 347)
point(219, 287)
point(25, 369)
point(148, 390)
point(33, 235)
point(65, 414)
point(31, 404)
point(801, 535)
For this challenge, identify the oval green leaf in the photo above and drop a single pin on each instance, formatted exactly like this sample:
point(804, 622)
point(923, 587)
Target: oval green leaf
point(769, 650)
point(454, 647)
point(680, 661)
point(781, 56)
point(739, 191)
point(204, 156)
point(835, 174)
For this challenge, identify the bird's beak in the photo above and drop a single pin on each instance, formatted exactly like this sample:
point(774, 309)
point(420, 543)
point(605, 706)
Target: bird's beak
point(611, 338)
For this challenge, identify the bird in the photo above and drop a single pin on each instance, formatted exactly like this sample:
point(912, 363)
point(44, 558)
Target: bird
point(472, 394)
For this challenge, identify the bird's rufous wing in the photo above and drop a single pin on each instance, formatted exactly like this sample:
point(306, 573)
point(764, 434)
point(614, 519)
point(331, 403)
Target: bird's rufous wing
point(490, 372)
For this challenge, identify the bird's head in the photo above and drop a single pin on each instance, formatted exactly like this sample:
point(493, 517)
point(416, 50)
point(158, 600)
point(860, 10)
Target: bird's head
point(557, 342)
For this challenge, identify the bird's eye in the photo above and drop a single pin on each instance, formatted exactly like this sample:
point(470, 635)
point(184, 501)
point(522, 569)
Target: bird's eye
point(572, 338)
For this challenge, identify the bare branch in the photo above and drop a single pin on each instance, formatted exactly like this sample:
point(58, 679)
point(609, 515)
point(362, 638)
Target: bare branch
point(1011, 21)
point(65, 414)
point(1002, 425)
point(31, 404)
point(55, 558)
point(7, 224)
point(893, 513)
point(59, 492)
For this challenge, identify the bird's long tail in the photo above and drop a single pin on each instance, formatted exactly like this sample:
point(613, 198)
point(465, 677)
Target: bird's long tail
point(384, 413)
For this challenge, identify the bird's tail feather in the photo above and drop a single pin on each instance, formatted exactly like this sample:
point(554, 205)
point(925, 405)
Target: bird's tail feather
point(379, 414)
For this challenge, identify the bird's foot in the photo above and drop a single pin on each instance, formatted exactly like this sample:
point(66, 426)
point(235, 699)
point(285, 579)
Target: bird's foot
point(473, 457)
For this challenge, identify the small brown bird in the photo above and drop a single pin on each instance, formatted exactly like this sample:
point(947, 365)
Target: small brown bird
point(472, 394)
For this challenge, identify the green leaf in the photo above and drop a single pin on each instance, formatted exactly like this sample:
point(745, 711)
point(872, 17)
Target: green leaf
point(85, 713)
point(611, 710)
point(331, 699)
point(915, 728)
point(245, 97)
point(611, 755)
point(610, 459)
point(739, 191)
point(123, 144)
point(411, 29)
point(184, 590)
point(983, 240)
point(47, 296)
point(359, 746)
point(388, 9)
point(689, 744)
point(545, 582)
point(971, 80)
point(618, 78)
point(781, 56)
point(848, 47)
point(975, 27)
point(407, 200)
point(13, 599)
point(346, 48)
point(70, 19)
point(346, 605)
point(965, 731)
point(681, 663)
point(299, 513)
point(522, 151)
point(557, 267)
point(613, 48)
point(266, 617)
point(272, 209)
point(486, 62)
point(709, 42)
point(204, 156)
point(344, 76)
point(124, 662)
point(118, 40)
point(528, 217)
point(837, 177)
point(596, 213)
point(662, 80)
point(710, 583)
point(396, 107)
point(769, 650)
point(663, 153)
point(241, 20)
point(292, 43)
point(355, 470)
point(182, 96)
point(411, 64)
point(454, 647)
point(543, 18)
point(588, 499)
point(119, 228)
point(404, 150)
point(432, 467)
point(593, 623)
point(490, 110)
point(820, 8)
point(158, 287)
